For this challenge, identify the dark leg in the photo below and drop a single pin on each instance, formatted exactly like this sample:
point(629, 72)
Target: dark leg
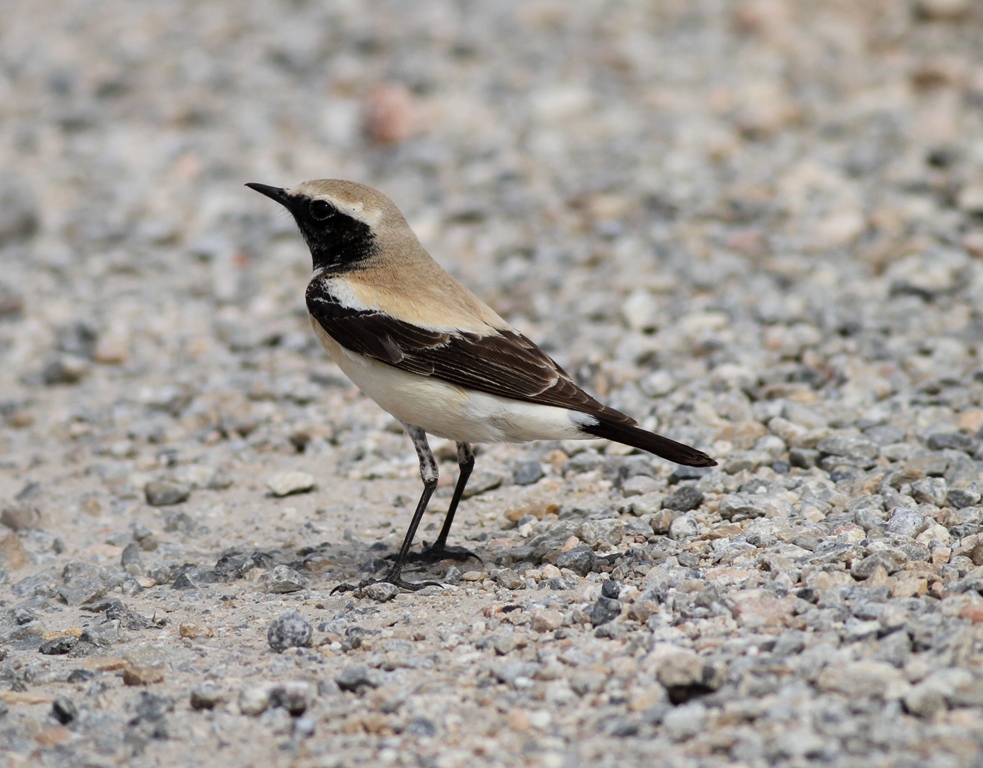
point(439, 549)
point(428, 473)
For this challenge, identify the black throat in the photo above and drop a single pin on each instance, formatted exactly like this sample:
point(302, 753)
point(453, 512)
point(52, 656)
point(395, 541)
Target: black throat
point(339, 245)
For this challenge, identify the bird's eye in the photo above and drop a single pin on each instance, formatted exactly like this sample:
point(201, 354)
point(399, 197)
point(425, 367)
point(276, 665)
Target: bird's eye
point(321, 210)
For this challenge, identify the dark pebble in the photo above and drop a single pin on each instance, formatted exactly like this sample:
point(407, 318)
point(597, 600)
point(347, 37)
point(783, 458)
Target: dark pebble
point(611, 589)
point(605, 609)
point(64, 710)
point(58, 646)
point(956, 441)
point(161, 493)
point(687, 473)
point(688, 559)
point(80, 676)
point(965, 497)
point(131, 556)
point(803, 458)
point(296, 698)
point(580, 559)
point(290, 630)
point(355, 678)
point(683, 499)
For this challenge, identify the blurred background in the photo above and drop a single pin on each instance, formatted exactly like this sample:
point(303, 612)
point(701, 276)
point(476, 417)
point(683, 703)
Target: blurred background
point(755, 225)
point(519, 138)
point(673, 185)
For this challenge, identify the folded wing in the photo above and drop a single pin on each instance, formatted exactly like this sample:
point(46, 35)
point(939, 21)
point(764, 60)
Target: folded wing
point(503, 363)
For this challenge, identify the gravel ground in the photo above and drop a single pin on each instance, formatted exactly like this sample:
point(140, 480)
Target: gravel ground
point(757, 226)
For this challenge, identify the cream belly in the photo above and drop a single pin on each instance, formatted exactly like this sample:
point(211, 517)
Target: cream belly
point(449, 411)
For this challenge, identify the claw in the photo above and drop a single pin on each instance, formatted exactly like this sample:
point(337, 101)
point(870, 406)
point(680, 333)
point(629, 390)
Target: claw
point(409, 586)
point(432, 554)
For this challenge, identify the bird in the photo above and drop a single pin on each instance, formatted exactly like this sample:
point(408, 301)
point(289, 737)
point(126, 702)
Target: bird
point(431, 353)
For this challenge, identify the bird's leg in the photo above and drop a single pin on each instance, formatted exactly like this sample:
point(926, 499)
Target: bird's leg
point(439, 549)
point(428, 473)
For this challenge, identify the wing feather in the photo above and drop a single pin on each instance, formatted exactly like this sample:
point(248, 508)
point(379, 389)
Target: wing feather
point(502, 362)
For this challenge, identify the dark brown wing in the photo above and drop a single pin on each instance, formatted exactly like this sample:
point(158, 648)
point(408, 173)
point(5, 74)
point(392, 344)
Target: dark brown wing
point(503, 363)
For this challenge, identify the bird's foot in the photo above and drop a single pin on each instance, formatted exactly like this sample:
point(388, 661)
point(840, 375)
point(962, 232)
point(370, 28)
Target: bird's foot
point(434, 554)
point(383, 589)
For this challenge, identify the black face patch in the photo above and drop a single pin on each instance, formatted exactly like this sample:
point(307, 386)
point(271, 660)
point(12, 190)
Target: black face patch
point(338, 242)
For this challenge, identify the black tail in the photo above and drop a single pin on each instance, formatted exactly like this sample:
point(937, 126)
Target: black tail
point(649, 441)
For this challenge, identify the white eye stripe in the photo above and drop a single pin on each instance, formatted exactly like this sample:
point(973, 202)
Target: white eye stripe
point(356, 211)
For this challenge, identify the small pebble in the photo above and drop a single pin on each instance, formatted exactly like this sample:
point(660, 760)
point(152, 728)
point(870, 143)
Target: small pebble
point(58, 646)
point(295, 696)
point(206, 695)
point(380, 591)
point(683, 527)
point(287, 483)
point(355, 679)
point(289, 630)
point(161, 493)
point(64, 710)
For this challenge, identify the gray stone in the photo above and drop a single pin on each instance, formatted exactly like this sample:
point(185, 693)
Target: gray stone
point(355, 679)
point(854, 446)
point(509, 579)
point(102, 633)
point(956, 441)
point(289, 483)
point(61, 368)
point(289, 630)
point(77, 338)
point(604, 610)
point(966, 496)
point(482, 481)
point(283, 579)
point(892, 560)
point(739, 506)
point(163, 493)
point(685, 721)
point(58, 646)
point(295, 696)
point(580, 559)
point(517, 674)
point(639, 485)
point(207, 695)
point(684, 499)
point(906, 522)
point(527, 472)
point(380, 591)
point(596, 533)
point(683, 527)
point(254, 700)
point(929, 490)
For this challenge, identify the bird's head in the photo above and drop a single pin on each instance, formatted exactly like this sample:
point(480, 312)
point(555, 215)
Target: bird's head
point(342, 221)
